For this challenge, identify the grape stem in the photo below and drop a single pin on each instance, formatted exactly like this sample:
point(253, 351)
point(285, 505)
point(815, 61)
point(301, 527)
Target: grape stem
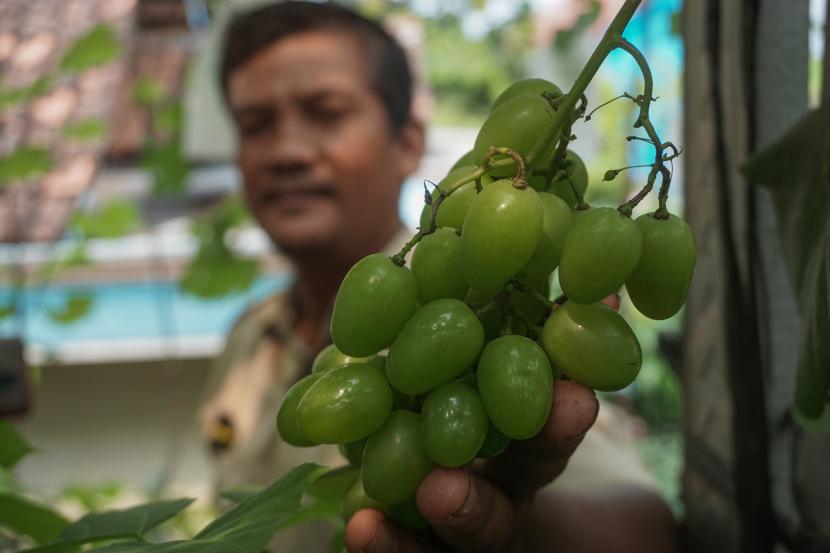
point(643, 120)
point(399, 258)
point(519, 181)
point(515, 284)
point(609, 42)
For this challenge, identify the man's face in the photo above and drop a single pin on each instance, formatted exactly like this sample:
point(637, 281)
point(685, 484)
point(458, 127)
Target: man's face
point(320, 164)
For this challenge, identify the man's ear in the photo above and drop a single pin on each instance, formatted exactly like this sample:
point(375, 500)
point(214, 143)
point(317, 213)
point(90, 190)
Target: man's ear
point(412, 144)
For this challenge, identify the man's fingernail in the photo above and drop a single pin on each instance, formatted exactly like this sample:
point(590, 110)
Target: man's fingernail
point(470, 502)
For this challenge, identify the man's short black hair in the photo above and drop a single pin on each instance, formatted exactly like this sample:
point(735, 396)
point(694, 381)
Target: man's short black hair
point(253, 31)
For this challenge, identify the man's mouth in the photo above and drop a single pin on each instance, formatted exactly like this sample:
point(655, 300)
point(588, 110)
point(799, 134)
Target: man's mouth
point(291, 196)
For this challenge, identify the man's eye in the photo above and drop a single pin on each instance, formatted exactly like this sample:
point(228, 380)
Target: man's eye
point(327, 114)
point(254, 126)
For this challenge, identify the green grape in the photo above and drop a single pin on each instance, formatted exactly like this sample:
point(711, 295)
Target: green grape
point(395, 462)
point(517, 124)
point(466, 159)
point(375, 300)
point(494, 443)
point(436, 264)
point(454, 207)
point(600, 253)
point(356, 499)
point(345, 405)
point(577, 175)
point(658, 285)
point(287, 425)
point(437, 344)
point(455, 424)
point(526, 86)
point(331, 358)
point(407, 515)
point(353, 451)
point(500, 234)
point(516, 385)
point(592, 345)
point(557, 220)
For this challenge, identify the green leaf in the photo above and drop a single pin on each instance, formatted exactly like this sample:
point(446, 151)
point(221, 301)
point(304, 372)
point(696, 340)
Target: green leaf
point(97, 47)
point(24, 163)
point(333, 484)
point(7, 311)
point(796, 170)
point(250, 525)
point(12, 96)
point(326, 497)
point(12, 445)
point(247, 527)
point(128, 523)
point(113, 220)
point(216, 270)
point(169, 118)
point(238, 495)
point(76, 307)
point(148, 92)
point(90, 129)
point(28, 518)
point(168, 165)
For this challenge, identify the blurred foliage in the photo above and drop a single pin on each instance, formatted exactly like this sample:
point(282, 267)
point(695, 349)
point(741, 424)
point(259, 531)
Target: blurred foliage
point(76, 307)
point(97, 47)
point(23, 516)
point(565, 38)
point(216, 270)
point(800, 191)
point(92, 497)
point(466, 75)
point(90, 129)
point(24, 163)
point(115, 219)
point(12, 445)
point(12, 96)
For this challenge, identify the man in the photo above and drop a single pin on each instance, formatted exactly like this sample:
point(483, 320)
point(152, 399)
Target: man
point(321, 101)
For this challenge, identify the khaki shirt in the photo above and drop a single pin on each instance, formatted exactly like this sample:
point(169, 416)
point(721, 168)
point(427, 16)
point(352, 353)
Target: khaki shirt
point(263, 358)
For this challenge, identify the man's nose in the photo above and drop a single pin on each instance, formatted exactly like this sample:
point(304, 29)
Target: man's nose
point(292, 146)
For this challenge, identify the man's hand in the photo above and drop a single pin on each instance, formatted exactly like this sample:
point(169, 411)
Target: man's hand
point(485, 509)
point(493, 507)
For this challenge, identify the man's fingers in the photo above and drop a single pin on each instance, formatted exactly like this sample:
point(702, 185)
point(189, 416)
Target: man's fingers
point(467, 512)
point(530, 464)
point(369, 531)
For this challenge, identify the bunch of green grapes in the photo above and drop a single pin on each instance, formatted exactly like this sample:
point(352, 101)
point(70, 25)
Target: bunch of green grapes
point(451, 358)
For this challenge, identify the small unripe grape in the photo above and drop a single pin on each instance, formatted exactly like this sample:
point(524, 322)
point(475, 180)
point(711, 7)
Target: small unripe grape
point(516, 385)
point(659, 283)
point(345, 405)
point(436, 264)
point(375, 300)
point(436, 345)
point(576, 178)
point(287, 425)
point(600, 252)
point(500, 234)
point(395, 462)
point(592, 345)
point(331, 358)
point(455, 424)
